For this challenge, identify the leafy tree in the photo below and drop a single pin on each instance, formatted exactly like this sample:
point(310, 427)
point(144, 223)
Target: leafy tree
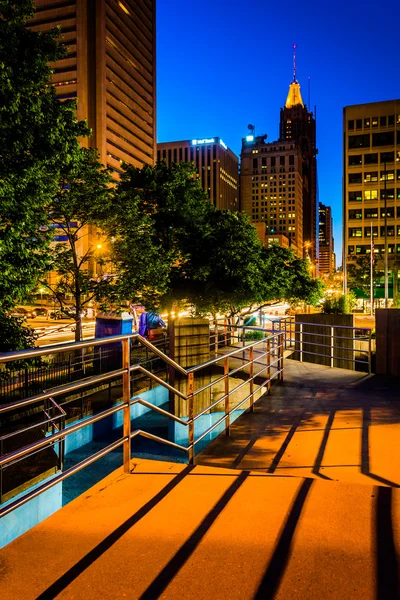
point(157, 212)
point(171, 245)
point(84, 199)
point(359, 274)
point(14, 335)
point(38, 133)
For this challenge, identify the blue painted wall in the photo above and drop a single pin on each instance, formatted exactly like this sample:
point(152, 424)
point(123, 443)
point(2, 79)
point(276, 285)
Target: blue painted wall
point(100, 430)
point(36, 510)
point(30, 514)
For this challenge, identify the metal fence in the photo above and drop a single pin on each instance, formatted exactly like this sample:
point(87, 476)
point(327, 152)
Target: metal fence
point(21, 380)
point(259, 362)
point(328, 344)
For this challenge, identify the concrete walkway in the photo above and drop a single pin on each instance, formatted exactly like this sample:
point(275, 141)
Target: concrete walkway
point(176, 532)
point(333, 424)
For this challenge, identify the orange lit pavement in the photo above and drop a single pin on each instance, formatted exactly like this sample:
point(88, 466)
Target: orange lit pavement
point(171, 531)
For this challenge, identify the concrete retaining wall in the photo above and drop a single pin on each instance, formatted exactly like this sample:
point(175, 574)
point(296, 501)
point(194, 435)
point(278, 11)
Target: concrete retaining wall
point(388, 341)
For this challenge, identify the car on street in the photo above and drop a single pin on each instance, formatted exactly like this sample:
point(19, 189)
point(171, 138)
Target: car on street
point(20, 311)
point(41, 311)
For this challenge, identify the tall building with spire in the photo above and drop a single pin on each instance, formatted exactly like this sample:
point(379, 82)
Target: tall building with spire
point(297, 124)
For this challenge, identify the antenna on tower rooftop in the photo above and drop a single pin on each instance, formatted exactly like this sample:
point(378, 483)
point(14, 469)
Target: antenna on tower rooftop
point(309, 92)
point(294, 63)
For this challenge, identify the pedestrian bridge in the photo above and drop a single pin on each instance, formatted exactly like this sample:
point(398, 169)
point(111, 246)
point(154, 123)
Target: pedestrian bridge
point(300, 501)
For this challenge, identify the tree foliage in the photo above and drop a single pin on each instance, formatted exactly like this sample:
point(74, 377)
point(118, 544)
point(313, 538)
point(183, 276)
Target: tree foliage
point(172, 245)
point(83, 203)
point(38, 133)
point(359, 274)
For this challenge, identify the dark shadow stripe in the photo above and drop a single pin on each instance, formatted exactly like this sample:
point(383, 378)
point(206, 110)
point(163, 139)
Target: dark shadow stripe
point(167, 574)
point(62, 582)
point(365, 459)
point(321, 451)
point(251, 442)
point(285, 444)
point(276, 568)
point(388, 587)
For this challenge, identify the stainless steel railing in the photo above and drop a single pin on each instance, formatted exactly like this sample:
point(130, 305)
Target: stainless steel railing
point(262, 358)
point(335, 345)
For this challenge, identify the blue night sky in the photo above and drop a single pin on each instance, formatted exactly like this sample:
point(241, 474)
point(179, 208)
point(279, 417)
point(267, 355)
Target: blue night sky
point(224, 64)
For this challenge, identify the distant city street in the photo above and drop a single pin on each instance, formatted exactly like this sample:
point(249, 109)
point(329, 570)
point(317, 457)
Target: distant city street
point(52, 331)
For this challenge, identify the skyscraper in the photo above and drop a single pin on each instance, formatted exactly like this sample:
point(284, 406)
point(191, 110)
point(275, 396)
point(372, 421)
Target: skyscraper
point(110, 68)
point(371, 186)
point(297, 123)
point(327, 258)
point(271, 190)
point(216, 165)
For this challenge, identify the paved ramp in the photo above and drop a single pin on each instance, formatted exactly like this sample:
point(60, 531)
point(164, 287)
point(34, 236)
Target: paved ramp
point(251, 530)
point(170, 531)
point(333, 424)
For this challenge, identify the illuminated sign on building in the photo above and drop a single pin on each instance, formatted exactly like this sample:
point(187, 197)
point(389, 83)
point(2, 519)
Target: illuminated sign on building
point(223, 144)
point(203, 141)
point(249, 138)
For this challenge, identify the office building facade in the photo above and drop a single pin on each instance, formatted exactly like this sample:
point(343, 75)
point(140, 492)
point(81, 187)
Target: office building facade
point(216, 166)
point(110, 68)
point(371, 185)
point(298, 124)
point(271, 190)
point(326, 256)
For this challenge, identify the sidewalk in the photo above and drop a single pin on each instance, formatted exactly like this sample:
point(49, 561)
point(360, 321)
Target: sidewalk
point(174, 532)
point(241, 524)
point(334, 424)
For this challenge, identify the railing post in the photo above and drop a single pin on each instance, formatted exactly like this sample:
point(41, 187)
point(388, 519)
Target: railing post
point(269, 365)
point(225, 330)
point(226, 389)
point(190, 398)
point(301, 342)
point(281, 341)
point(62, 445)
point(332, 347)
point(369, 353)
point(251, 375)
point(126, 397)
point(216, 337)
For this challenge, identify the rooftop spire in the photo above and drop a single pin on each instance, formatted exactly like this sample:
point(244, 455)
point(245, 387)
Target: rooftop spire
point(294, 96)
point(294, 64)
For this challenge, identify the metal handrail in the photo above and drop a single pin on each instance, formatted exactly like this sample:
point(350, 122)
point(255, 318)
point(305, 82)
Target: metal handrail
point(127, 402)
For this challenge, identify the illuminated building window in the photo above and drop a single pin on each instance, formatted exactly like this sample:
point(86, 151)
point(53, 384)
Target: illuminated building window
point(371, 194)
point(390, 212)
point(367, 123)
point(387, 175)
point(374, 121)
point(367, 232)
point(372, 176)
point(355, 232)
